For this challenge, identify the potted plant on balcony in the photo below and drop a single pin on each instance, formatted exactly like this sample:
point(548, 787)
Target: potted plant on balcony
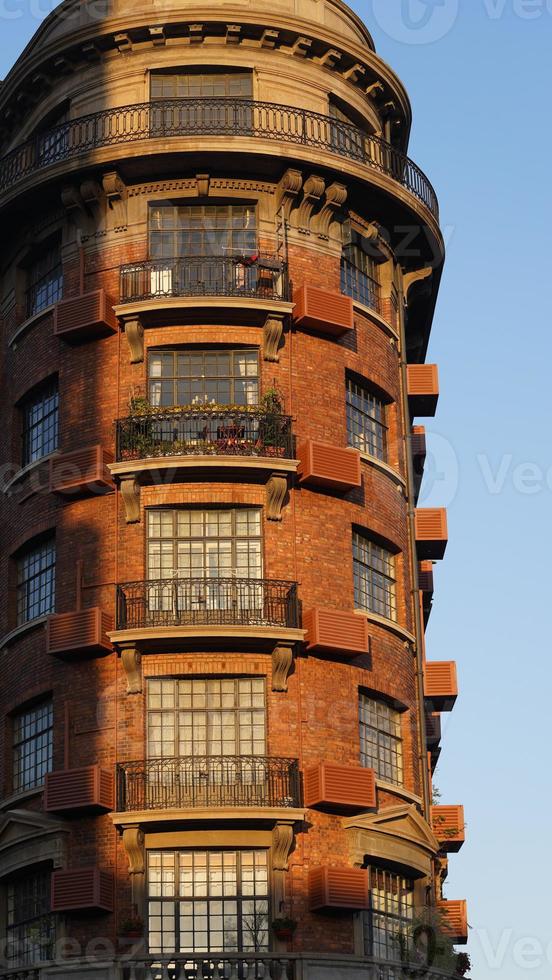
point(132, 927)
point(284, 928)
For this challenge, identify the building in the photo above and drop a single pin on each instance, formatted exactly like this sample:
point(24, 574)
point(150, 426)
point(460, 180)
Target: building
point(217, 293)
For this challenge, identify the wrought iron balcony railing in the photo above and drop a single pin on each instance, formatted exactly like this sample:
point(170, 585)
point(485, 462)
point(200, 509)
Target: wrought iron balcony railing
point(202, 432)
point(261, 276)
point(267, 966)
point(206, 781)
point(207, 602)
point(219, 117)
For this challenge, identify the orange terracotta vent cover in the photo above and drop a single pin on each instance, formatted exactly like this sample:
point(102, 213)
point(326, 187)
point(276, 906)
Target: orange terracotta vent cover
point(79, 632)
point(345, 789)
point(335, 631)
point(322, 310)
point(338, 888)
point(329, 467)
point(83, 317)
point(82, 889)
point(88, 788)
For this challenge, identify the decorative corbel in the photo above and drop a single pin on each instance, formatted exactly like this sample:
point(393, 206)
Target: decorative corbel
point(410, 278)
point(336, 195)
point(354, 73)
point(233, 33)
point(273, 332)
point(301, 47)
point(282, 842)
point(375, 89)
point(330, 58)
point(134, 331)
point(288, 191)
point(313, 189)
point(77, 211)
point(91, 52)
point(202, 184)
point(123, 42)
point(130, 492)
point(276, 489)
point(116, 194)
point(133, 840)
point(282, 662)
point(131, 659)
point(157, 35)
point(196, 33)
point(269, 39)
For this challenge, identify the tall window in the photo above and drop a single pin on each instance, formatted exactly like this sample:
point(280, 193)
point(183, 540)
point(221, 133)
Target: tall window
point(208, 102)
point(201, 230)
point(388, 923)
point(380, 739)
point(204, 543)
point(44, 280)
point(359, 276)
point(32, 746)
point(366, 426)
point(36, 578)
point(40, 414)
point(213, 717)
point(208, 901)
point(201, 85)
point(31, 932)
point(374, 577)
point(215, 377)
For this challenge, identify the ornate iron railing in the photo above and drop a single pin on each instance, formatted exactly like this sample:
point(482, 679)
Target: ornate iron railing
point(214, 966)
point(262, 277)
point(206, 781)
point(204, 433)
point(221, 117)
point(207, 602)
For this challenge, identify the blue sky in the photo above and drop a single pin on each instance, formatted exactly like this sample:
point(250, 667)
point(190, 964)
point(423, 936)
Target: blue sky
point(479, 74)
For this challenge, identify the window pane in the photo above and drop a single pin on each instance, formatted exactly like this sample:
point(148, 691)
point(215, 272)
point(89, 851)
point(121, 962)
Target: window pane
point(359, 277)
point(40, 423)
point(389, 921)
point(374, 577)
point(204, 378)
point(32, 746)
point(31, 929)
point(380, 739)
point(365, 420)
point(36, 582)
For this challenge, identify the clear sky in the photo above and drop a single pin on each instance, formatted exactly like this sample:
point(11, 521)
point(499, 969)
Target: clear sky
point(479, 73)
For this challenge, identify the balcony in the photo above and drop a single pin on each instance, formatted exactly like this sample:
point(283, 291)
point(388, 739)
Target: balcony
point(326, 312)
point(338, 888)
point(200, 783)
point(84, 317)
point(455, 920)
point(440, 685)
point(259, 277)
point(89, 789)
point(431, 533)
point(82, 890)
point(449, 827)
point(329, 467)
point(201, 437)
point(191, 607)
point(336, 632)
point(84, 632)
point(423, 389)
point(340, 789)
point(81, 471)
point(188, 119)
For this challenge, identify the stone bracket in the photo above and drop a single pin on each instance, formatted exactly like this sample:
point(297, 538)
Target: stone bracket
point(335, 197)
point(130, 492)
point(276, 489)
point(288, 191)
point(410, 278)
point(116, 195)
point(313, 190)
point(131, 659)
point(273, 332)
point(282, 843)
point(282, 662)
point(133, 840)
point(134, 330)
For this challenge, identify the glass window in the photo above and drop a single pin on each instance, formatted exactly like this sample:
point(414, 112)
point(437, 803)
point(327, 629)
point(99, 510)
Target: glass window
point(36, 576)
point(374, 577)
point(208, 901)
point(204, 543)
point(359, 276)
point(380, 739)
point(40, 422)
point(201, 85)
point(31, 929)
point(213, 717)
point(366, 427)
point(388, 923)
point(32, 746)
point(215, 377)
point(184, 231)
point(45, 280)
